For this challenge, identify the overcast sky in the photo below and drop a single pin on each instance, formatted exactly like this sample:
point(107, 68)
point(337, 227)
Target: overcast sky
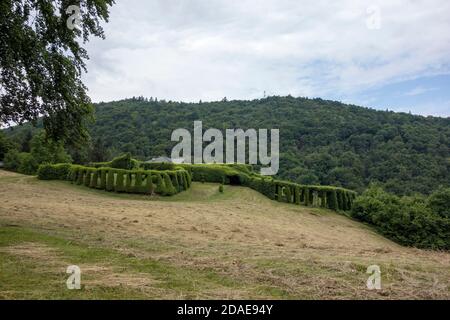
point(391, 54)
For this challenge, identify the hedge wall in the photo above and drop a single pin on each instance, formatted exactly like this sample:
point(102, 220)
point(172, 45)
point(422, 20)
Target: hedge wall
point(165, 183)
point(170, 182)
point(333, 198)
point(54, 172)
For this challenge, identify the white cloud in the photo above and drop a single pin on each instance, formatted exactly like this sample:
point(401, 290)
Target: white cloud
point(191, 50)
point(417, 91)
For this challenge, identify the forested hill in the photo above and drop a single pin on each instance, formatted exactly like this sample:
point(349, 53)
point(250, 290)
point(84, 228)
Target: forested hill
point(321, 142)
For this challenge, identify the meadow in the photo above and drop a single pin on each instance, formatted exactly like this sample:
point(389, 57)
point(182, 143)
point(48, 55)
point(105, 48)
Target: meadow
point(198, 244)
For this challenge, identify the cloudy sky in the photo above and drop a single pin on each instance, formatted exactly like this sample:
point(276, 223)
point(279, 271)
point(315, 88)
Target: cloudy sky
point(386, 54)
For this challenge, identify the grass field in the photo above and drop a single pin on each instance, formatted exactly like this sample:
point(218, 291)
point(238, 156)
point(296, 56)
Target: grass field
point(199, 244)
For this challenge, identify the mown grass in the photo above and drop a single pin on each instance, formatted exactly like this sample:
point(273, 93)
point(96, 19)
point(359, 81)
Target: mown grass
point(27, 277)
point(199, 244)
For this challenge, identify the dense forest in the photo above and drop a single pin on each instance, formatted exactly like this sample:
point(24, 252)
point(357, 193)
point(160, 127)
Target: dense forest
point(321, 142)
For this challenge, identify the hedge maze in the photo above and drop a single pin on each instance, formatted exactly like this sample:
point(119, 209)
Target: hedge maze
point(338, 199)
point(165, 183)
point(171, 179)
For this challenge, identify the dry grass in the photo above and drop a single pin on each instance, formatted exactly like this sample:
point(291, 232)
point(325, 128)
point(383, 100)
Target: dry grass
point(271, 249)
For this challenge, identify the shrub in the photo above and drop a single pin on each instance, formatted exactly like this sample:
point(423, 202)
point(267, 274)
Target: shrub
point(288, 194)
point(110, 180)
point(103, 174)
point(120, 183)
point(408, 220)
point(124, 162)
point(54, 171)
point(160, 186)
point(94, 179)
point(306, 195)
point(11, 160)
point(169, 188)
point(297, 195)
point(87, 177)
point(80, 175)
point(333, 200)
point(221, 188)
point(28, 165)
point(129, 182)
point(340, 200)
point(439, 202)
point(149, 184)
point(137, 182)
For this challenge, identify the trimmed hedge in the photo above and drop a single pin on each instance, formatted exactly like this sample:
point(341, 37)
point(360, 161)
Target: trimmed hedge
point(338, 199)
point(170, 182)
point(54, 172)
point(333, 198)
point(125, 162)
point(119, 180)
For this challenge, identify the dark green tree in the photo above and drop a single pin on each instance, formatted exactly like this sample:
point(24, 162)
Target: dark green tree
point(5, 145)
point(42, 60)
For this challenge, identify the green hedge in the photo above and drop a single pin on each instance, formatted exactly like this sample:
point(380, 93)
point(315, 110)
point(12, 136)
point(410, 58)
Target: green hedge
point(166, 183)
point(218, 173)
point(337, 199)
point(54, 172)
point(170, 182)
point(125, 162)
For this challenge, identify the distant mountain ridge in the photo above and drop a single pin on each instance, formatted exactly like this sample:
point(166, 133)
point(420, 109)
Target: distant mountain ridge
point(321, 142)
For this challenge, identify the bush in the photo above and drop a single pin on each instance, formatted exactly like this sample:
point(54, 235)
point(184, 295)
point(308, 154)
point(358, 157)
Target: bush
point(120, 183)
point(94, 179)
point(129, 183)
point(110, 180)
point(87, 177)
point(103, 175)
point(439, 202)
point(333, 203)
point(409, 221)
point(124, 162)
point(13, 159)
point(149, 184)
point(169, 188)
point(28, 165)
point(54, 171)
point(221, 188)
point(137, 182)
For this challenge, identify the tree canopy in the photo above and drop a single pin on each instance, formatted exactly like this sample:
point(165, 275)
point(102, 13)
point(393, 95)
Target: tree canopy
point(42, 60)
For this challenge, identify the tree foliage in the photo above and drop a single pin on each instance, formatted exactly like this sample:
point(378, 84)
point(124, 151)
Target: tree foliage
point(43, 150)
point(321, 142)
point(412, 221)
point(41, 63)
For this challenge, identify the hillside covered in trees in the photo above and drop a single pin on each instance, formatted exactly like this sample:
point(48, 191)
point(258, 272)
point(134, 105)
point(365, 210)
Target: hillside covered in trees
point(321, 142)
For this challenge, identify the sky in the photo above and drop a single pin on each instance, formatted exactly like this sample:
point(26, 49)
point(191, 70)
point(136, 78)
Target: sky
point(384, 54)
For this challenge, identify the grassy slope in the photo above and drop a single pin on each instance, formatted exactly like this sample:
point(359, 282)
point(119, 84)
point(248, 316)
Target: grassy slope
point(198, 244)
